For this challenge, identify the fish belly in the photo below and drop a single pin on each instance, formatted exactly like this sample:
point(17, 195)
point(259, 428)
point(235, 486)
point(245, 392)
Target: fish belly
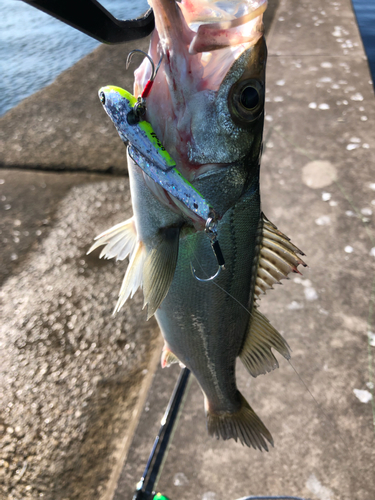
point(204, 323)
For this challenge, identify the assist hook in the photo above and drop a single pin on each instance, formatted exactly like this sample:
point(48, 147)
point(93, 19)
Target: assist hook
point(139, 109)
point(211, 230)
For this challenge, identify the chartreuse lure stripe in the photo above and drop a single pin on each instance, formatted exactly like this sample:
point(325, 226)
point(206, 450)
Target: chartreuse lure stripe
point(148, 152)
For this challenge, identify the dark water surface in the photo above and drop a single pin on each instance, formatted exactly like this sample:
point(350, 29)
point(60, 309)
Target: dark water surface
point(35, 48)
point(365, 12)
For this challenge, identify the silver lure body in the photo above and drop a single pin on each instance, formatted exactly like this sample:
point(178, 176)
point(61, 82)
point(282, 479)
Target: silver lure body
point(147, 151)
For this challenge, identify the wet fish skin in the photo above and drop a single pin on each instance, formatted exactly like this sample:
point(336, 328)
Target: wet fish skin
point(204, 324)
point(216, 142)
point(205, 330)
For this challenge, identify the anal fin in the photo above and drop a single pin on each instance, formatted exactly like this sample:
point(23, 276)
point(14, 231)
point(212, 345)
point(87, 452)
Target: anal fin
point(261, 337)
point(159, 269)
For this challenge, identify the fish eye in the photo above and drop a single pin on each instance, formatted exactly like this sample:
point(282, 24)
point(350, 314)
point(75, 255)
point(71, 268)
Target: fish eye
point(246, 101)
point(102, 97)
point(249, 97)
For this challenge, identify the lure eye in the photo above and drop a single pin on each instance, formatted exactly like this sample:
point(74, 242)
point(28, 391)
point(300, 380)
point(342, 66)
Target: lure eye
point(102, 97)
point(246, 101)
point(249, 98)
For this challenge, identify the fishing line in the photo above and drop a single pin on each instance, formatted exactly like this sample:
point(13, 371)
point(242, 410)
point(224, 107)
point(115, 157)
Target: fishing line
point(320, 408)
point(214, 282)
point(372, 296)
point(335, 429)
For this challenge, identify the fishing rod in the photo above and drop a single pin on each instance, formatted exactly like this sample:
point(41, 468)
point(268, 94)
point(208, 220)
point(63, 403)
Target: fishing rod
point(145, 489)
point(146, 486)
point(90, 17)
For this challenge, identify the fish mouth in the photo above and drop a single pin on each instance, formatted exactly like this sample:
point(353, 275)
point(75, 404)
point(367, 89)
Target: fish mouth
point(183, 97)
point(188, 81)
point(210, 26)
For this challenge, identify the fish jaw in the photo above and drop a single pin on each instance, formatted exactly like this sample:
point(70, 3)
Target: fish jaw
point(220, 136)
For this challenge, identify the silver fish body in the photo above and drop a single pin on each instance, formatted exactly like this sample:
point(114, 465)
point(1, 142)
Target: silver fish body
point(204, 323)
point(213, 131)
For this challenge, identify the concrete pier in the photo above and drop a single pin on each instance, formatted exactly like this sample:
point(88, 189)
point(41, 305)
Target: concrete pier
point(82, 393)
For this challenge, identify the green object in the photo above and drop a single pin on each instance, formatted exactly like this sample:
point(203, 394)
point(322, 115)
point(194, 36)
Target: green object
point(159, 496)
point(145, 127)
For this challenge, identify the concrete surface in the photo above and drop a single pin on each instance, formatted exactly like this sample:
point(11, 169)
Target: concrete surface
point(320, 146)
point(62, 127)
point(71, 374)
point(74, 378)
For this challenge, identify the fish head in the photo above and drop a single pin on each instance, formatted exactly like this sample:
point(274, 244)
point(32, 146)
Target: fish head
point(207, 101)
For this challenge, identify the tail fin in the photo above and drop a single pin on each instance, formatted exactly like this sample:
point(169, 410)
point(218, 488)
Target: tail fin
point(243, 425)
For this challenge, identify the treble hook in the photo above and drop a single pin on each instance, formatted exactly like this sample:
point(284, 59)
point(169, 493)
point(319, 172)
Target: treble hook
point(211, 230)
point(139, 110)
point(130, 55)
point(154, 71)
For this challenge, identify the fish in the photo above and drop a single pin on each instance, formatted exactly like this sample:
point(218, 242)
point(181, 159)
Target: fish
point(206, 109)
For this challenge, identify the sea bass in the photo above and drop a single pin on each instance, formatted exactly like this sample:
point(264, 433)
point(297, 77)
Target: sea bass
point(206, 107)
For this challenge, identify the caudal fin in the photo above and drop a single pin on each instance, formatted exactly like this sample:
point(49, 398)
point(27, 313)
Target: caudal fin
point(243, 425)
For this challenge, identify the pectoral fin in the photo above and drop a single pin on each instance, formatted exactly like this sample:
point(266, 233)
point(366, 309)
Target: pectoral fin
point(119, 240)
point(261, 337)
point(159, 269)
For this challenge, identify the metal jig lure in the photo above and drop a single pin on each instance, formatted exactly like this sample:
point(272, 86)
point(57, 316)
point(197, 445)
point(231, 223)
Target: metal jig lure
point(149, 154)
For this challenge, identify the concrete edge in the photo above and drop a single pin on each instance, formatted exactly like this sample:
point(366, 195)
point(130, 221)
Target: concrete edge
point(122, 453)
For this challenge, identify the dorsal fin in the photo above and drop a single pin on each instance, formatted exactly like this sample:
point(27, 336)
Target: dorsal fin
point(119, 240)
point(277, 257)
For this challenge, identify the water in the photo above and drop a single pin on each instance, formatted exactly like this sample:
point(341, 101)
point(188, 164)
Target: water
point(35, 48)
point(365, 12)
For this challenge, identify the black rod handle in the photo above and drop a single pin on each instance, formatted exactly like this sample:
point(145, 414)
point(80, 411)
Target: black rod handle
point(90, 17)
